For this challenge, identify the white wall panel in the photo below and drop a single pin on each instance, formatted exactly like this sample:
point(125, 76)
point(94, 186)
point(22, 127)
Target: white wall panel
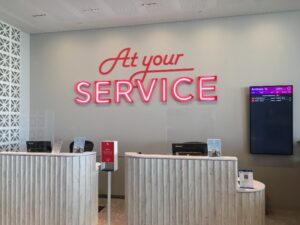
point(14, 88)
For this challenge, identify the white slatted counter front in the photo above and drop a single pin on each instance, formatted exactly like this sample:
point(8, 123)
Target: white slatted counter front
point(48, 189)
point(184, 190)
point(251, 205)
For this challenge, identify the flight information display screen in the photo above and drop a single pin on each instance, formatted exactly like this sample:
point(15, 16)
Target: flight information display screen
point(271, 120)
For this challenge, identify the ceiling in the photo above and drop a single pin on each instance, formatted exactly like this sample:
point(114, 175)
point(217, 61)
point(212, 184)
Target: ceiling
point(39, 16)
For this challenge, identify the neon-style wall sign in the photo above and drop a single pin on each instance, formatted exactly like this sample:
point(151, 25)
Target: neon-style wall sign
point(117, 91)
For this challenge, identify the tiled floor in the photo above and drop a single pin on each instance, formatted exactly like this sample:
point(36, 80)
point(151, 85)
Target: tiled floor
point(283, 218)
point(275, 218)
point(117, 212)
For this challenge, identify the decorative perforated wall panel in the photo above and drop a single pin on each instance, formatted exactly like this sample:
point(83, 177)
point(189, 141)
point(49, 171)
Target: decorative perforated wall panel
point(10, 52)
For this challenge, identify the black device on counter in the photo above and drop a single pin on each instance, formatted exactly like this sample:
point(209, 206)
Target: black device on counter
point(189, 148)
point(39, 146)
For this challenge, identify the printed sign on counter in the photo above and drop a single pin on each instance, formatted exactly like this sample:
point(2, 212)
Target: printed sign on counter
point(214, 147)
point(246, 179)
point(79, 143)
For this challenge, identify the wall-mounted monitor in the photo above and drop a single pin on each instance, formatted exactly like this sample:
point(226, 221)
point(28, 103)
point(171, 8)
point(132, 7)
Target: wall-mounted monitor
point(271, 120)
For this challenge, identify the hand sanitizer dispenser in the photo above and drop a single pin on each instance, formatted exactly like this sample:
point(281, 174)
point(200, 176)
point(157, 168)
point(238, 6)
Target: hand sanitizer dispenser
point(109, 155)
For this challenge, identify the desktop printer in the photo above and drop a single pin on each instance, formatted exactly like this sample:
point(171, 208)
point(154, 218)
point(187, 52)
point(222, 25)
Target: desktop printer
point(189, 148)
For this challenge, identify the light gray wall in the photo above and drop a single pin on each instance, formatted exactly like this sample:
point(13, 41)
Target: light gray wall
point(242, 51)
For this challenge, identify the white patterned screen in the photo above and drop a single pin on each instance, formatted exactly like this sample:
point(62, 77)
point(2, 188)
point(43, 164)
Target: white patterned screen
point(10, 52)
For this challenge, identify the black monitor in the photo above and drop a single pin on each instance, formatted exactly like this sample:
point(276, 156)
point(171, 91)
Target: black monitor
point(271, 120)
point(39, 146)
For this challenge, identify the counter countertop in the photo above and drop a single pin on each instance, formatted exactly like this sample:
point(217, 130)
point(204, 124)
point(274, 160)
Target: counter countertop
point(62, 154)
point(157, 156)
point(258, 186)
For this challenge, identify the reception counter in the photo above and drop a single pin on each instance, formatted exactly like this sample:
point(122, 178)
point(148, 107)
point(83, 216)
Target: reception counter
point(48, 189)
point(189, 190)
point(251, 205)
